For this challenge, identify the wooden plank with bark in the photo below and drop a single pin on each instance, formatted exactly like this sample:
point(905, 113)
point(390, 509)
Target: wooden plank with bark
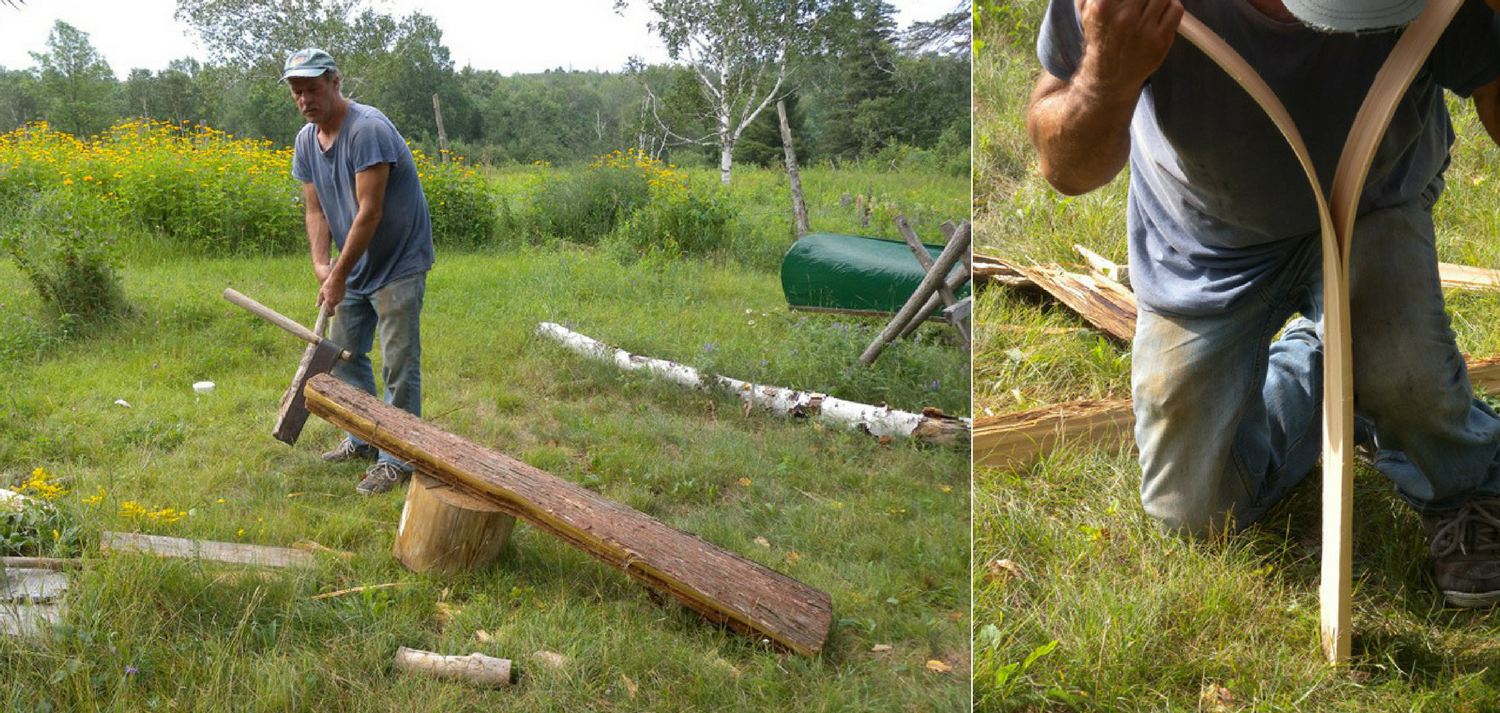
point(724, 587)
point(226, 552)
point(992, 268)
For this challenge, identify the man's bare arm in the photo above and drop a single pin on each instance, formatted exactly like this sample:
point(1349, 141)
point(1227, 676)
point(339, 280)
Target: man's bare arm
point(319, 239)
point(1081, 126)
point(1487, 106)
point(369, 192)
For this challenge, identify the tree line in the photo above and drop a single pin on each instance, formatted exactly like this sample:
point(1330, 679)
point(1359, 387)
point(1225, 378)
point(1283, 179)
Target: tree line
point(855, 88)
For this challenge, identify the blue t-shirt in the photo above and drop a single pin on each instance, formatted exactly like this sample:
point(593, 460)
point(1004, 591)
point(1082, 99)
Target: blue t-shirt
point(1217, 198)
point(402, 244)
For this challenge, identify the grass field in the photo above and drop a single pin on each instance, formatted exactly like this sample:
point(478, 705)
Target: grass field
point(883, 527)
point(1100, 612)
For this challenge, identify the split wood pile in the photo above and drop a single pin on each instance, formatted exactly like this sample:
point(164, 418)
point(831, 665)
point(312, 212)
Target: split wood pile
point(724, 587)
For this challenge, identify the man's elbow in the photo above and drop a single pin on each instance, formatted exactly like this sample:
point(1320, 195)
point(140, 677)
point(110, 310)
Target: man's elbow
point(1064, 182)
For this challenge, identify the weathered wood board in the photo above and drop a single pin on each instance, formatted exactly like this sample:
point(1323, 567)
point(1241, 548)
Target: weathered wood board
point(227, 552)
point(31, 600)
point(723, 586)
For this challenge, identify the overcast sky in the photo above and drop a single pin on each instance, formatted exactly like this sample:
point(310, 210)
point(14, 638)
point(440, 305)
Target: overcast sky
point(508, 37)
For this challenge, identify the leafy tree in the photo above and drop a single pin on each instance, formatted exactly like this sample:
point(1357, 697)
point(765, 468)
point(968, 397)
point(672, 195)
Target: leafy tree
point(20, 99)
point(744, 53)
point(77, 85)
point(859, 116)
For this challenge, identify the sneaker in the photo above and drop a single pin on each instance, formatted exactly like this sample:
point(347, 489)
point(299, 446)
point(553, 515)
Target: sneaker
point(381, 477)
point(1464, 546)
point(348, 451)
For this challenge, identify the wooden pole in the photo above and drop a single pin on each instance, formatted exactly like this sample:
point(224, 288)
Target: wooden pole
point(950, 255)
point(799, 206)
point(437, 113)
point(724, 587)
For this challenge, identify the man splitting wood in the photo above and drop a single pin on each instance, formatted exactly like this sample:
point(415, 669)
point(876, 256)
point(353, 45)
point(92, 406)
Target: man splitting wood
point(362, 192)
point(1225, 248)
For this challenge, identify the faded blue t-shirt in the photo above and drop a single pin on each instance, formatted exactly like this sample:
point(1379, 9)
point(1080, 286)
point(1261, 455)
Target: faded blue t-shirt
point(1217, 198)
point(402, 244)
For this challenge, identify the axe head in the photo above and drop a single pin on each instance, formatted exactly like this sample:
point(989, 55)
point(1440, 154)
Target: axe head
point(318, 359)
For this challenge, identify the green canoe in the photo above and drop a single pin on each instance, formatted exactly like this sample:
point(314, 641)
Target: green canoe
point(827, 272)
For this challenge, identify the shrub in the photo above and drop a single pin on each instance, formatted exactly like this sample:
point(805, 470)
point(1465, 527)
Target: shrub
point(64, 243)
point(462, 204)
point(585, 207)
point(677, 220)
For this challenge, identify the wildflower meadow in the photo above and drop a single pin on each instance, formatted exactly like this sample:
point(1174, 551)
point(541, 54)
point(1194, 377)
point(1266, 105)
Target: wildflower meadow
point(116, 251)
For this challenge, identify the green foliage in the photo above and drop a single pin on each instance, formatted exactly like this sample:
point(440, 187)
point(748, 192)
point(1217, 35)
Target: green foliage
point(461, 202)
point(65, 245)
point(76, 80)
point(584, 206)
point(677, 222)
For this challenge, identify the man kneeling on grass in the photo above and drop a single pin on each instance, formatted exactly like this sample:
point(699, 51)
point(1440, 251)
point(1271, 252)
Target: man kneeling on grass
point(361, 188)
point(1225, 249)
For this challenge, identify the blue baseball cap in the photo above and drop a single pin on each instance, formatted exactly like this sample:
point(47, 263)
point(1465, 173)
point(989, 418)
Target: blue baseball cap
point(1356, 15)
point(310, 62)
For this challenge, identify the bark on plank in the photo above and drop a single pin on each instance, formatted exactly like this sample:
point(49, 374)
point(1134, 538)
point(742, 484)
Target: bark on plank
point(1014, 440)
point(228, 552)
point(999, 270)
point(1101, 301)
point(723, 586)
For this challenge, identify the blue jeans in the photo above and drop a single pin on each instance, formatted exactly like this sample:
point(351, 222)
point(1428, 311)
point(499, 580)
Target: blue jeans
point(396, 310)
point(1228, 420)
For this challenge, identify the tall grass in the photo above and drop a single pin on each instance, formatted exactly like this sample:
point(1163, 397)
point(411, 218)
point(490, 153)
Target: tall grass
point(1079, 603)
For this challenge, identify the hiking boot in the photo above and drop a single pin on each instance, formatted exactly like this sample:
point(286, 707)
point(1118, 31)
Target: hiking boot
point(381, 477)
point(1464, 546)
point(348, 451)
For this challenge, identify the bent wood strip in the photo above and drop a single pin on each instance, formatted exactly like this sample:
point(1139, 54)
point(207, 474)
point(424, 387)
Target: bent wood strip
point(724, 587)
point(1337, 223)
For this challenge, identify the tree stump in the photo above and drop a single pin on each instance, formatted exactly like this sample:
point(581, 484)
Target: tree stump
point(444, 530)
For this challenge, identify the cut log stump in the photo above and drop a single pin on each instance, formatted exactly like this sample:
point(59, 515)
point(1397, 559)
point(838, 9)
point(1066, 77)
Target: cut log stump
point(723, 586)
point(445, 530)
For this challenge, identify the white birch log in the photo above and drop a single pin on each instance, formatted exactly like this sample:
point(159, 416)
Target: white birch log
point(930, 426)
point(476, 668)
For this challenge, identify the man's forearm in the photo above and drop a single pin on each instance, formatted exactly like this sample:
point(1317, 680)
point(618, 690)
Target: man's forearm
point(361, 232)
point(1081, 134)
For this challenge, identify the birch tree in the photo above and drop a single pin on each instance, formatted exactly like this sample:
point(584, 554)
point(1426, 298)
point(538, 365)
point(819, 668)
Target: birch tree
point(744, 53)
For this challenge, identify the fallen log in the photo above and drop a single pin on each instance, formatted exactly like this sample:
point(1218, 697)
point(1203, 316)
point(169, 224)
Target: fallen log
point(930, 426)
point(1014, 440)
point(724, 587)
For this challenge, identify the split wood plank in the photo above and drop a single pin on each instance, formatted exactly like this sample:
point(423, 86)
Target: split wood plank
point(992, 268)
point(1466, 277)
point(1017, 439)
point(1101, 301)
point(724, 587)
point(227, 552)
point(1103, 265)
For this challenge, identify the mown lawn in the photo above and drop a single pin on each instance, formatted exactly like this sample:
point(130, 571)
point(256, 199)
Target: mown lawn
point(1093, 609)
point(883, 527)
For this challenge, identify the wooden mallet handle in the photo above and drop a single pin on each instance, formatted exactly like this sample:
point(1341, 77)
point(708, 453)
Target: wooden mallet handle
point(282, 321)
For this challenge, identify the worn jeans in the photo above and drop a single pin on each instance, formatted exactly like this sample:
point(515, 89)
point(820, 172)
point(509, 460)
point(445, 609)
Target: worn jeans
point(396, 311)
point(1228, 420)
